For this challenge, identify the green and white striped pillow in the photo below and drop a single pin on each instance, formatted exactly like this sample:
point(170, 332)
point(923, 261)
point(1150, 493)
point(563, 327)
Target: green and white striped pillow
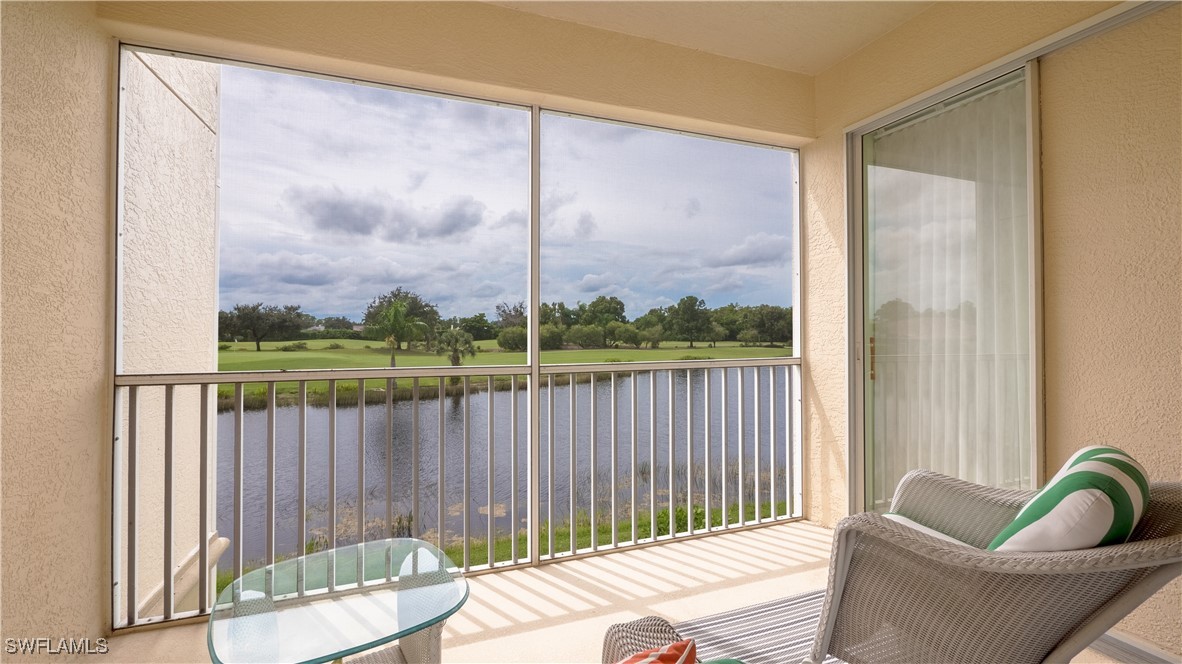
point(1096, 499)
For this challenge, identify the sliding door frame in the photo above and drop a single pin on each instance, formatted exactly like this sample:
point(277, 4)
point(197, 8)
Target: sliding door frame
point(856, 220)
point(1027, 57)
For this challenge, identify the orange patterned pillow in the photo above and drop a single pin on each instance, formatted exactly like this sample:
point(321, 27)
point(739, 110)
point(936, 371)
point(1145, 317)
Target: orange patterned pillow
point(682, 652)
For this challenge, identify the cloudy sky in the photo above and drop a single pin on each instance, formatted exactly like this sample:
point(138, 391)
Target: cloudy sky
point(333, 193)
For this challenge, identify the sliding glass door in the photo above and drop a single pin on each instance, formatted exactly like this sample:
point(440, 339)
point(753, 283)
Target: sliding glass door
point(947, 283)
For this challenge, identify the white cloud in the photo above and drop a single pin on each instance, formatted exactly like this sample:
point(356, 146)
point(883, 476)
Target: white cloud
point(332, 193)
point(758, 249)
point(591, 283)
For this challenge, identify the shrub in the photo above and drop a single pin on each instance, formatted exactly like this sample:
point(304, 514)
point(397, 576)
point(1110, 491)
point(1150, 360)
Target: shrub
point(550, 337)
point(512, 339)
point(623, 333)
point(652, 336)
point(330, 334)
point(334, 346)
point(749, 338)
point(298, 345)
point(586, 336)
point(225, 346)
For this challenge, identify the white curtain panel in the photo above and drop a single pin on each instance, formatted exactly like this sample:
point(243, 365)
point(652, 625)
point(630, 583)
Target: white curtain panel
point(948, 284)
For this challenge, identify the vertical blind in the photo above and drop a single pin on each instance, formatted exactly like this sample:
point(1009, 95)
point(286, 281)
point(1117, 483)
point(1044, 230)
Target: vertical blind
point(948, 276)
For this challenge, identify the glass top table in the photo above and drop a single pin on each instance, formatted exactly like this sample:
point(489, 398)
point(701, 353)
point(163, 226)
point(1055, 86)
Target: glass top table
point(312, 609)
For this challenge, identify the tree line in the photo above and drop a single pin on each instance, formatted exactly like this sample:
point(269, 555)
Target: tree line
point(401, 317)
point(603, 323)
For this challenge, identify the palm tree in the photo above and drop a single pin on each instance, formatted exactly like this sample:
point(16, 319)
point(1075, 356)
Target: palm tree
point(456, 343)
point(395, 326)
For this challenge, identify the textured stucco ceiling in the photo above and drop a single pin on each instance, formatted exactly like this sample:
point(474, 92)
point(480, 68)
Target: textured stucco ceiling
point(804, 37)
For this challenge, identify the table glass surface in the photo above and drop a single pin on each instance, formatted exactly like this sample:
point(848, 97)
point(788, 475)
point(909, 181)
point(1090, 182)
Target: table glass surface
point(407, 585)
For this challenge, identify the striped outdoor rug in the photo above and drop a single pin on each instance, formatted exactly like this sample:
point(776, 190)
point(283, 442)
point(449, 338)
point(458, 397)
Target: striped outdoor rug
point(777, 632)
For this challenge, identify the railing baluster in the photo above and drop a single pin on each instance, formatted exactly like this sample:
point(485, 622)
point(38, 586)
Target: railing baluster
point(726, 408)
point(360, 482)
point(708, 488)
point(270, 530)
point(389, 472)
point(632, 468)
point(652, 455)
point(391, 385)
point(239, 415)
point(467, 472)
point(169, 446)
point(798, 436)
point(132, 500)
point(491, 435)
point(594, 467)
point(440, 395)
point(203, 506)
point(302, 486)
point(550, 461)
point(771, 415)
point(513, 462)
point(742, 440)
point(672, 437)
point(689, 451)
point(118, 507)
point(571, 459)
point(416, 521)
point(790, 442)
point(615, 420)
point(332, 483)
point(758, 444)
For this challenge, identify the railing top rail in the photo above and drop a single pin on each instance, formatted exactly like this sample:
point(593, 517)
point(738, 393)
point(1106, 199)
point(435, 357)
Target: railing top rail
point(283, 375)
point(625, 367)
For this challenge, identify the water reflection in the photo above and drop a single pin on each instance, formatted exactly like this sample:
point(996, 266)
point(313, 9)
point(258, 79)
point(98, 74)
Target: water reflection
point(653, 440)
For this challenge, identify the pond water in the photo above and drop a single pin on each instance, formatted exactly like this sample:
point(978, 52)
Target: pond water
point(375, 452)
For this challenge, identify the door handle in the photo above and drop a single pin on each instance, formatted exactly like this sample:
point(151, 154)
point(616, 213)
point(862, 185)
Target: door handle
point(872, 354)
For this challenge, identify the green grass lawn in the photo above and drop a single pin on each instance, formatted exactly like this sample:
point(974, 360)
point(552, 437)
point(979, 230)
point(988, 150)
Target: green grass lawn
point(503, 543)
point(355, 355)
point(243, 357)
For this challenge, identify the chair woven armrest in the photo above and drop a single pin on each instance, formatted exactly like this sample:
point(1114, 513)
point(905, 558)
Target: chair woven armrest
point(896, 594)
point(1131, 555)
point(623, 640)
point(969, 512)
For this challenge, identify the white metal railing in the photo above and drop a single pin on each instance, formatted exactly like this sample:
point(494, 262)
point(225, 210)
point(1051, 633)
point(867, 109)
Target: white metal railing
point(627, 454)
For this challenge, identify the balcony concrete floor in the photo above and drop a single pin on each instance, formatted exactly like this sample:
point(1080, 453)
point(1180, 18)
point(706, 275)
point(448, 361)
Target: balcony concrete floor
point(559, 612)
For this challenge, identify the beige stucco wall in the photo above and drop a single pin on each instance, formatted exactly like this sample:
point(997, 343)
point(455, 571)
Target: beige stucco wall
point(58, 340)
point(168, 303)
point(169, 234)
point(57, 325)
point(481, 49)
point(940, 44)
point(57, 231)
point(1112, 229)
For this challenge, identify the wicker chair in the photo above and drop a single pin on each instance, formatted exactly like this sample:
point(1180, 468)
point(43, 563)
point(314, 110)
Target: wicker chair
point(898, 595)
